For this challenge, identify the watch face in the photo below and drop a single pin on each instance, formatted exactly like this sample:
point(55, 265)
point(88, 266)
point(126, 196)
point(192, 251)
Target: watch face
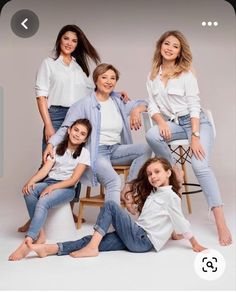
point(197, 134)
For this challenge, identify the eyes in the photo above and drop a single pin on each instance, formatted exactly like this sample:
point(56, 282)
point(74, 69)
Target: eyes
point(66, 38)
point(106, 77)
point(168, 44)
point(81, 132)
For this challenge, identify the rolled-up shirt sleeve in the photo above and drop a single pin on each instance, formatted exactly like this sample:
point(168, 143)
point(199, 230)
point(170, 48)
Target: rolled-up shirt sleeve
point(42, 85)
point(192, 95)
point(152, 105)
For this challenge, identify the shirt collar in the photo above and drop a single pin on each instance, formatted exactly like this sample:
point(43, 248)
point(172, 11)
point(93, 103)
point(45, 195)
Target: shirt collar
point(95, 102)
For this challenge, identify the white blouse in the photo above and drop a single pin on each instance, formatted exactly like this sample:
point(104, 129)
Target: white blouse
point(65, 165)
point(161, 215)
point(179, 97)
point(62, 84)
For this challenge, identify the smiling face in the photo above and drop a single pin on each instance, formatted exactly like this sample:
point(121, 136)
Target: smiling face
point(157, 175)
point(77, 134)
point(170, 48)
point(106, 82)
point(68, 42)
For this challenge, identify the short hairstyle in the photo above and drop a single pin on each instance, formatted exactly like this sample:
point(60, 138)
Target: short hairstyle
point(102, 68)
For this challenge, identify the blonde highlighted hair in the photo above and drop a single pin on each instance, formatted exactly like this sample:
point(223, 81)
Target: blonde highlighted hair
point(183, 62)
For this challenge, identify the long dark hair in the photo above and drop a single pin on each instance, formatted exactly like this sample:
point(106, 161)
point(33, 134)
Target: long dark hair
point(83, 51)
point(61, 148)
point(141, 187)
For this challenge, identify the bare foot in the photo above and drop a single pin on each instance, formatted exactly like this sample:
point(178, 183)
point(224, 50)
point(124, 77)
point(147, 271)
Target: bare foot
point(179, 174)
point(41, 238)
point(24, 227)
point(224, 235)
point(44, 250)
point(86, 251)
point(20, 253)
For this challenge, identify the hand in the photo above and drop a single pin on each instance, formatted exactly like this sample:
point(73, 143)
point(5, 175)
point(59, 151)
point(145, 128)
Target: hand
point(135, 119)
point(196, 148)
point(124, 96)
point(48, 151)
point(47, 191)
point(49, 131)
point(30, 185)
point(165, 130)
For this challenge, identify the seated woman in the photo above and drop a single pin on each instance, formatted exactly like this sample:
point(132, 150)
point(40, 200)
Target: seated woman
point(62, 174)
point(111, 140)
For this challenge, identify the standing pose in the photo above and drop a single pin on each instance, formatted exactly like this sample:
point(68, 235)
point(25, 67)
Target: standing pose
point(62, 173)
point(63, 79)
point(174, 105)
point(155, 190)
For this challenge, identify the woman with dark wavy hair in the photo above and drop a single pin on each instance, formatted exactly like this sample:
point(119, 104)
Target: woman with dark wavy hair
point(155, 190)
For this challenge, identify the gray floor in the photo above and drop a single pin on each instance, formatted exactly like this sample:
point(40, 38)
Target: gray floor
point(170, 269)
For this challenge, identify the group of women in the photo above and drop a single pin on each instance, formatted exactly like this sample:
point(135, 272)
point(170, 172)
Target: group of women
point(65, 94)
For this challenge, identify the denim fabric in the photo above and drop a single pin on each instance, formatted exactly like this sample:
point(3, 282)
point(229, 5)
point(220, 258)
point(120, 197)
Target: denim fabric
point(201, 168)
point(89, 108)
point(127, 235)
point(57, 115)
point(38, 206)
point(108, 155)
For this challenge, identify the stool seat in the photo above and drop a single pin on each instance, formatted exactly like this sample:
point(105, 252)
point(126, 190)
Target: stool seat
point(98, 200)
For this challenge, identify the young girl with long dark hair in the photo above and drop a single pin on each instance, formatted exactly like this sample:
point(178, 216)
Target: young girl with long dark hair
point(62, 174)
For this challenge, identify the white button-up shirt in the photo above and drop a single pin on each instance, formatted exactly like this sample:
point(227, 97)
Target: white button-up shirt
point(161, 215)
point(62, 84)
point(180, 96)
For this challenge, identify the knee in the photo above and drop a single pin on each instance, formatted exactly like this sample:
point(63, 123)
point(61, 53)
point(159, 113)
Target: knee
point(113, 181)
point(152, 135)
point(110, 204)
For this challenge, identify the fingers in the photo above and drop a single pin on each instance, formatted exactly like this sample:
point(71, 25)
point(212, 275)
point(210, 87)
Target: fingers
point(135, 124)
point(166, 133)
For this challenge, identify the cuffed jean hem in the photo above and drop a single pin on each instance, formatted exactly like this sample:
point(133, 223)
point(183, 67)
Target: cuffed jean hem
point(32, 235)
point(99, 229)
point(60, 249)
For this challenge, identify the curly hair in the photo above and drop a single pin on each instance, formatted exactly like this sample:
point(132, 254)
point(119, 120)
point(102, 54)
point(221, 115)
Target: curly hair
point(183, 63)
point(140, 188)
point(61, 148)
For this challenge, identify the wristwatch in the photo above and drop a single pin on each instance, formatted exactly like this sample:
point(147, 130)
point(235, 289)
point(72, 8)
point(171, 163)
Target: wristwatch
point(196, 134)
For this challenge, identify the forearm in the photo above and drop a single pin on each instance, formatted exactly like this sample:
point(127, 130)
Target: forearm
point(158, 118)
point(195, 124)
point(43, 110)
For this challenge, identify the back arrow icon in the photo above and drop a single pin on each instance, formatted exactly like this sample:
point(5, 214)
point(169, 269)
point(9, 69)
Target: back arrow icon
point(23, 23)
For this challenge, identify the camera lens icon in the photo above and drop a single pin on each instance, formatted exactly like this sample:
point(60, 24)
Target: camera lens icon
point(209, 264)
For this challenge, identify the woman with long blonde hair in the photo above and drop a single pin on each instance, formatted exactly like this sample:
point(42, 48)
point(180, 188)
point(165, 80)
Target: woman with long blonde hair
point(174, 106)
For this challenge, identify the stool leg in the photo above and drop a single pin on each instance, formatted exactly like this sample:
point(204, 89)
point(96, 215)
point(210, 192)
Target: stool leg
point(80, 215)
point(185, 181)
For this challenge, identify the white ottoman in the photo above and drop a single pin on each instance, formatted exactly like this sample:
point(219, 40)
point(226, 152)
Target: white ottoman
point(60, 224)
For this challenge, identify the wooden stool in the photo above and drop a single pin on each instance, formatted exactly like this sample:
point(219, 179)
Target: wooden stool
point(98, 201)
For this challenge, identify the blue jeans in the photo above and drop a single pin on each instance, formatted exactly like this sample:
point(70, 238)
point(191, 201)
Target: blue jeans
point(57, 115)
point(128, 235)
point(108, 155)
point(38, 206)
point(201, 168)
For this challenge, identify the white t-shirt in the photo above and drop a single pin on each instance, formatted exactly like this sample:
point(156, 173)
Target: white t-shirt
point(111, 123)
point(62, 84)
point(161, 215)
point(65, 165)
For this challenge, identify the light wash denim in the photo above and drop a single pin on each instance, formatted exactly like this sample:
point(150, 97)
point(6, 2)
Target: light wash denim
point(128, 235)
point(89, 108)
point(57, 115)
point(38, 206)
point(201, 168)
point(108, 155)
